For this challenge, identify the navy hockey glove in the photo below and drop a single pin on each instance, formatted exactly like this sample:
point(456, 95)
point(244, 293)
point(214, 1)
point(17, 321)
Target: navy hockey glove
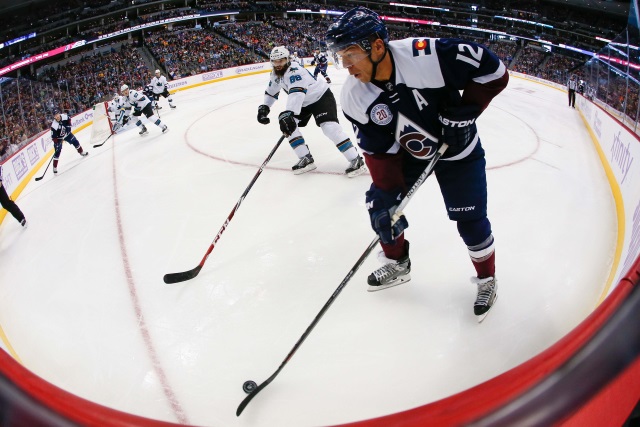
point(287, 122)
point(263, 112)
point(381, 206)
point(459, 125)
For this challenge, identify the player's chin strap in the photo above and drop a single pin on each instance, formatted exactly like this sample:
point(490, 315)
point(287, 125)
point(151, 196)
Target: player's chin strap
point(375, 63)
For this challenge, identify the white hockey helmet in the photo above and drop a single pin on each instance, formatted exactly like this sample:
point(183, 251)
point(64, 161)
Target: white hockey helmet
point(123, 88)
point(157, 72)
point(279, 52)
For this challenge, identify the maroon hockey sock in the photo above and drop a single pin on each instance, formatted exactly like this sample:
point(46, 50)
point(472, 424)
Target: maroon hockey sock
point(395, 251)
point(486, 267)
point(55, 163)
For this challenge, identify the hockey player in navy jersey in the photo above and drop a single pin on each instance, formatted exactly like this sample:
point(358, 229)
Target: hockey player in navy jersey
point(403, 99)
point(320, 61)
point(61, 131)
point(306, 97)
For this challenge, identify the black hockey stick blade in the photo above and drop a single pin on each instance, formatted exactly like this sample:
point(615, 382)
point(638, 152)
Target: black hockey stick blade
point(103, 142)
point(251, 395)
point(182, 276)
point(45, 170)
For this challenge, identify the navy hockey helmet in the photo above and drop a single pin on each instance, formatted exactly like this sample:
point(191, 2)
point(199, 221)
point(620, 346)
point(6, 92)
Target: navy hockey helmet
point(356, 27)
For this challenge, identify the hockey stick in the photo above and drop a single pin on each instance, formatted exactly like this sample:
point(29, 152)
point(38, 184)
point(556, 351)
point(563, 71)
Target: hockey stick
point(250, 386)
point(103, 142)
point(45, 170)
point(190, 274)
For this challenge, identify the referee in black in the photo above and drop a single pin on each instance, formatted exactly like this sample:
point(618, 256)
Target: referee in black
point(10, 205)
point(572, 85)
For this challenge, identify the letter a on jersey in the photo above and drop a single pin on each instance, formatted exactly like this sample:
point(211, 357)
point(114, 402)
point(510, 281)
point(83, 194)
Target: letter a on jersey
point(417, 141)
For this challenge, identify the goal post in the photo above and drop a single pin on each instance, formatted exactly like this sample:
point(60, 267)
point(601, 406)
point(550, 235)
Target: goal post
point(102, 126)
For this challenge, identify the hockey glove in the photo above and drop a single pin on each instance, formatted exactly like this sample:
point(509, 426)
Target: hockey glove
point(287, 122)
point(263, 112)
point(459, 125)
point(381, 206)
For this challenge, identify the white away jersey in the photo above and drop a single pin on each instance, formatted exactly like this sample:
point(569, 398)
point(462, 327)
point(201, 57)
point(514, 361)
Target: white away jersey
point(303, 89)
point(159, 84)
point(136, 99)
point(428, 75)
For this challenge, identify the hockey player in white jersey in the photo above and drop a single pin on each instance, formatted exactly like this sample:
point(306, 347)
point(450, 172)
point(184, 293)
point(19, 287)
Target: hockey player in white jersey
point(306, 97)
point(121, 112)
point(160, 88)
point(296, 58)
point(405, 99)
point(141, 104)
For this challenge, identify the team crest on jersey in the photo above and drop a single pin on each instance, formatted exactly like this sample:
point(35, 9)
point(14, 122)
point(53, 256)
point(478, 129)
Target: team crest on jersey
point(417, 141)
point(381, 114)
point(421, 47)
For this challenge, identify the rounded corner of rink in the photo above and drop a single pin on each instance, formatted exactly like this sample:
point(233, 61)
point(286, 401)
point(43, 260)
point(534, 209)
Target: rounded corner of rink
point(83, 303)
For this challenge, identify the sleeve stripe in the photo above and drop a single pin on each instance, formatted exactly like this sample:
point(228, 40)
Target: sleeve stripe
point(297, 89)
point(491, 77)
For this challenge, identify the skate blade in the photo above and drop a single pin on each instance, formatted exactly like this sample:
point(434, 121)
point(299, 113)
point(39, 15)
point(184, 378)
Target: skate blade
point(486, 313)
point(306, 169)
point(357, 172)
point(380, 288)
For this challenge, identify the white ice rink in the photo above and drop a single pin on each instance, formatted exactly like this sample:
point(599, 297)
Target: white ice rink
point(83, 303)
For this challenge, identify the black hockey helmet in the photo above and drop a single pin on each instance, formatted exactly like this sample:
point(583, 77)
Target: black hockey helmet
point(356, 27)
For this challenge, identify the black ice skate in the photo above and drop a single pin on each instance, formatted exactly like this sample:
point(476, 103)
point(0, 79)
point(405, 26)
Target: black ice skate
point(143, 131)
point(487, 296)
point(356, 167)
point(165, 129)
point(393, 273)
point(305, 164)
point(84, 153)
point(172, 106)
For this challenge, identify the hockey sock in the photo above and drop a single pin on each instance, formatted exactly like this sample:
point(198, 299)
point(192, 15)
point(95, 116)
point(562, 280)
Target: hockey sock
point(485, 267)
point(395, 250)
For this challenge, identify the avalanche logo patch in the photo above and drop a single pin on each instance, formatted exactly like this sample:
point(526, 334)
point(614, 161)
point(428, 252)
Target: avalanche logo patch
point(421, 47)
point(381, 114)
point(417, 141)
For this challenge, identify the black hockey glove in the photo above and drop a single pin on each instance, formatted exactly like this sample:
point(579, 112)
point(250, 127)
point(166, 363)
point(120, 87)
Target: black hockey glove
point(287, 122)
point(382, 206)
point(459, 125)
point(263, 112)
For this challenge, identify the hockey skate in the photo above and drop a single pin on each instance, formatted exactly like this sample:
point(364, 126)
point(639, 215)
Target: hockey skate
point(165, 129)
point(172, 106)
point(487, 296)
point(305, 164)
point(356, 167)
point(393, 273)
point(143, 131)
point(328, 79)
point(84, 153)
point(55, 170)
point(23, 222)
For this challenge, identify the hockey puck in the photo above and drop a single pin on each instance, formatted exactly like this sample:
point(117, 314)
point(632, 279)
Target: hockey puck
point(249, 386)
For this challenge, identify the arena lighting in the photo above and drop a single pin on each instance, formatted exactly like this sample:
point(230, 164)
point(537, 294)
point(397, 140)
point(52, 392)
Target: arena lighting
point(606, 58)
point(317, 12)
point(418, 6)
point(624, 45)
point(523, 20)
point(53, 52)
point(17, 40)
point(409, 20)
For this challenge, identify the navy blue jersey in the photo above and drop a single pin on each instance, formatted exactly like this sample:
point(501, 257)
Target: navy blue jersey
point(428, 75)
point(320, 59)
point(62, 128)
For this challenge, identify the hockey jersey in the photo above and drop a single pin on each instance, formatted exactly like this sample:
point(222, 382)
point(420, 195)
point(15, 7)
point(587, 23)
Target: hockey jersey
point(60, 129)
point(159, 84)
point(428, 75)
point(303, 89)
point(320, 59)
point(136, 100)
